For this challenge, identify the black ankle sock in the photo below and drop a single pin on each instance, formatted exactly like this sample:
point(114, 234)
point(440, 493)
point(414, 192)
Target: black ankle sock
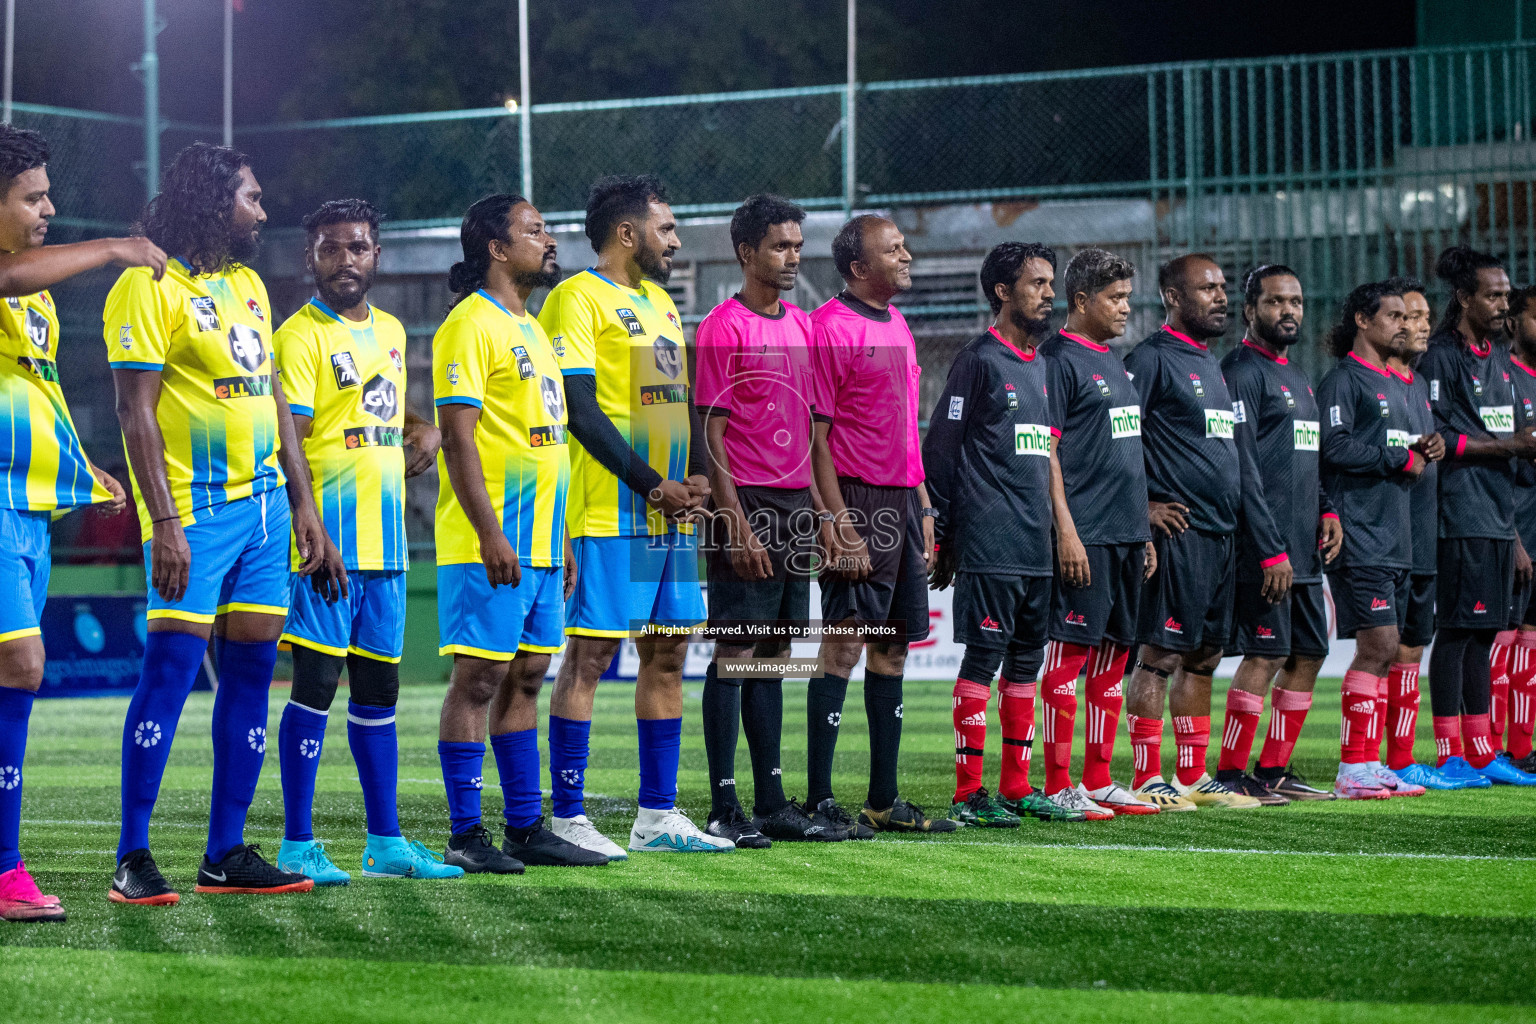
point(823, 714)
point(722, 708)
point(882, 705)
point(762, 719)
point(1264, 774)
point(1228, 774)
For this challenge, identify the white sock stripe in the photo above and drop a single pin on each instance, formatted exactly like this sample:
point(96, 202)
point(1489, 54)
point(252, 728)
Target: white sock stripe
point(306, 707)
point(358, 720)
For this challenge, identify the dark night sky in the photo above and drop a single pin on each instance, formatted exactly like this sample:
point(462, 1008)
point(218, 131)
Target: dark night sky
point(77, 52)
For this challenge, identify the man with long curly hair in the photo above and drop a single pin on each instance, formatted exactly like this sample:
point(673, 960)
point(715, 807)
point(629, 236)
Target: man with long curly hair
point(210, 444)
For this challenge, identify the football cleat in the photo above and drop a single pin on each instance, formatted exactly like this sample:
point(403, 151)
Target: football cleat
point(1502, 772)
point(1074, 798)
point(1395, 783)
point(736, 827)
point(539, 847)
point(670, 831)
point(1215, 795)
point(138, 880)
point(393, 857)
point(1357, 782)
point(904, 817)
point(1293, 786)
point(583, 833)
point(1036, 804)
point(244, 870)
point(1116, 798)
point(980, 809)
point(477, 855)
point(832, 814)
point(310, 859)
point(1247, 785)
point(1167, 799)
point(1459, 769)
point(1526, 763)
point(21, 900)
point(791, 824)
point(1429, 778)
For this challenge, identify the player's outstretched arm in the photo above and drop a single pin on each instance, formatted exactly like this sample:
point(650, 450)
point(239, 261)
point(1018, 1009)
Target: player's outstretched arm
point(466, 476)
point(29, 271)
point(170, 558)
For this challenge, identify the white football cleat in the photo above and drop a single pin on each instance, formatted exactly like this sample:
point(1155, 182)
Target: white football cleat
point(1120, 800)
point(579, 831)
point(669, 831)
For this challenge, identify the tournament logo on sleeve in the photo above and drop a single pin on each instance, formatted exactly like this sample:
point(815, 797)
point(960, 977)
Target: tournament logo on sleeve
point(345, 370)
point(256, 310)
point(379, 397)
point(245, 346)
point(669, 357)
point(205, 313)
point(396, 358)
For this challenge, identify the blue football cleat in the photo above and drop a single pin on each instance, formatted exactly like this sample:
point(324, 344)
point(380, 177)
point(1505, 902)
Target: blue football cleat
point(1502, 772)
point(393, 857)
point(1429, 778)
point(310, 859)
point(1459, 769)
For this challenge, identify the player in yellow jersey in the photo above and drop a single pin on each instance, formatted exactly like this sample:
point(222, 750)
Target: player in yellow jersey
point(637, 474)
point(503, 568)
point(44, 472)
point(210, 446)
point(342, 363)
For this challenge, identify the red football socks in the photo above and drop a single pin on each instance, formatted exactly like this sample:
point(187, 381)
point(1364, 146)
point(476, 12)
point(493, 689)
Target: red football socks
point(1402, 714)
point(1016, 706)
point(1475, 734)
point(1146, 748)
point(1063, 662)
point(1522, 695)
point(970, 735)
point(1242, 722)
point(1287, 713)
point(1447, 738)
point(1105, 697)
point(1191, 737)
point(1360, 689)
point(1498, 677)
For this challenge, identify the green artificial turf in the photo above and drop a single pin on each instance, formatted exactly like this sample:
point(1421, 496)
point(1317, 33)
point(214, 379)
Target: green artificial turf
point(1399, 910)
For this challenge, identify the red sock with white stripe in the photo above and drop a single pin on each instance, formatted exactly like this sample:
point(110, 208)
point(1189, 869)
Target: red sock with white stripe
point(1522, 695)
point(970, 735)
point(1498, 678)
point(1359, 693)
point(1476, 735)
point(1447, 738)
point(1063, 662)
point(1016, 707)
point(1242, 722)
point(1402, 714)
point(1146, 748)
point(1378, 721)
point(1287, 713)
point(1191, 737)
point(1105, 696)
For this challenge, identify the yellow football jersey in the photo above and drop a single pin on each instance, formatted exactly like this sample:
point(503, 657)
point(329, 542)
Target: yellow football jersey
point(350, 378)
point(42, 465)
point(210, 338)
point(486, 356)
point(633, 342)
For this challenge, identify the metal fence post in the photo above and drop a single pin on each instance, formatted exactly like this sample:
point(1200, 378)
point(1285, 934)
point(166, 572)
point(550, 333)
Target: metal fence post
point(850, 105)
point(149, 67)
point(525, 112)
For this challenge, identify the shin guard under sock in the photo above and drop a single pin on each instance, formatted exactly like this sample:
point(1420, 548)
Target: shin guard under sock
point(1287, 714)
point(15, 711)
point(970, 718)
point(300, 740)
point(1402, 714)
point(1359, 711)
point(171, 661)
point(1146, 748)
point(239, 740)
point(883, 708)
point(824, 697)
point(1016, 708)
point(1192, 738)
point(1242, 722)
point(1058, 692)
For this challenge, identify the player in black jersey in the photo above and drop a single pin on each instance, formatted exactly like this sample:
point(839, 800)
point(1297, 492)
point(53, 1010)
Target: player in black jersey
point(1369, 463)
point(1397, 708)
point(1194, 492)
point(1103, 565)
point(1284, 514)
point(1481, 561)
point(991, 472)
point(1522, 672)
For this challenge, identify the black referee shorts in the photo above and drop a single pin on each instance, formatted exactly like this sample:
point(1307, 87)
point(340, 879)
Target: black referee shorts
point(785, 522)
point(993, 610)
point(1297, 625)
point(1476, 583)
point(1108, 606)
point(1187, 604)
point(1368, 596)
point(895, 593)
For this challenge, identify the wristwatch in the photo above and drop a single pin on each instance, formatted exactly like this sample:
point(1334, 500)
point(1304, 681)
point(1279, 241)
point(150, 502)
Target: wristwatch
point(930, 513)
point(826, 517)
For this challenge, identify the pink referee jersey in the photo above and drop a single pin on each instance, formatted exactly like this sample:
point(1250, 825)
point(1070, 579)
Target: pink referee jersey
point(756, 370)
point(867, 387)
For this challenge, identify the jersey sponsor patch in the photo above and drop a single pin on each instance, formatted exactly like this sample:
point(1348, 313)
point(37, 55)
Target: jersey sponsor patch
point(204, 312)
point(380, 398)
point(245, 346)
point(1334, 419)
point(1498, 419)
point(374, 437)
point(1199, 387)
point(1305, 435)
point(42, 369)
point(1218, 423)
point(1031, 439)
point(242, 387)
point(630, 321)
point(1125, 421)
point(543, 437)
point(553, 394)
point(669, 357)
point(1398, 439)
point(1103, 385)
point(37, 330)
point(525, 369)
point(345, 370)
point(956, 407)
point(663, 394)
